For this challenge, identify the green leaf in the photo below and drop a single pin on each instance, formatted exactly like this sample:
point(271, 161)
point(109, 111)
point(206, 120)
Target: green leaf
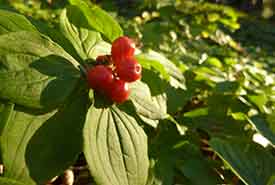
point(265, 125)
point(87, 43)
point(215, 125)
point(99, 20)
point(153, 65)
point(193, 168)
point(8, 181)
point(171, 153)
point(147, 106)
point(165, 155)
point(249, 161)
point(115, 147)
point(227, 87)
point(176, 77)
point(259, 100)
point(57, 143)
point(34, 71)
point(5, 114)
point(55, 34)
point(16, 133)
point(13, 22)
point(36, 147)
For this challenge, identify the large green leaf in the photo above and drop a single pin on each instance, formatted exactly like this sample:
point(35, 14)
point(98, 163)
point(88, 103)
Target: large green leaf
point(87, 43)
point(115, 147)
point(16, 133)
point(99, 20)
point(147, 106)
point(34, 71)
point(12, 22)
point(57, 143)
point(36, 147)
point(8, 181)
point(249, 161)
point(265, 125)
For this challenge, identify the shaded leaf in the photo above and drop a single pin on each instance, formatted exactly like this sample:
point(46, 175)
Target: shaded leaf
point(15, 136)
point(36, 147)
point(115, 147)
point(193, 168)
point(249, 161)
point(58, 142)
point(265, 126)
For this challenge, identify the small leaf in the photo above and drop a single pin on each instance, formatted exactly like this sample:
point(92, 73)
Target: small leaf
point(249, 161)
point(99, 20)
point(34, 71)
point(115, 147)
point(13, 22)
point(147, 106)
point(153, 65)
point(176, 77)
point(87, 43)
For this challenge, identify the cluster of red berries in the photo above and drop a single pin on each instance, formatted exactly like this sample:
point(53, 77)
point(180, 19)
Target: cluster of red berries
point(112, 78)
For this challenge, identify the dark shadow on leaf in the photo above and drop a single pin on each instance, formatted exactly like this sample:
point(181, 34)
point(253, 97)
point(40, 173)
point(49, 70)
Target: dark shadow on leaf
point(156, 84)
point(77, 18)
point(101, 101)
point(61, 78)
point(56, 36)
point(57, 143)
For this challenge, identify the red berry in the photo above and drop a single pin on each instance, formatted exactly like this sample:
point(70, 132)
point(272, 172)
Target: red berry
point(122, 47)
point(129, 70)
point(119, 91)
point(100, 78)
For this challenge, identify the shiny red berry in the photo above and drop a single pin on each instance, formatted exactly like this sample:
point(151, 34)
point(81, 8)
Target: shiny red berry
point(100, 78)
point(129, 70)
point(119, 91)
point(122, 48)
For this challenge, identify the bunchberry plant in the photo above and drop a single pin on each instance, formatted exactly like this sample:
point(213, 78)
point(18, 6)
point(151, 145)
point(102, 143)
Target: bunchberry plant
point(190, 119)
